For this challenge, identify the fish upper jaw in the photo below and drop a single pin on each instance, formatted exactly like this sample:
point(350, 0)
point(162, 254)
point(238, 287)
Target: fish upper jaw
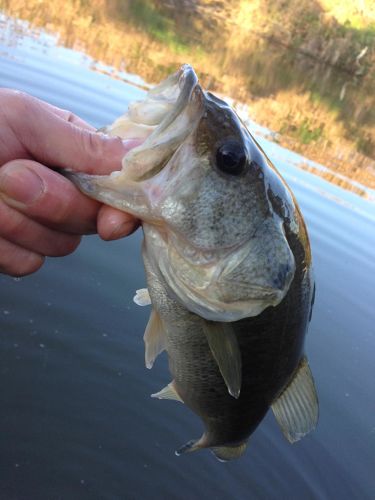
point(148, 170)
point(163, 121)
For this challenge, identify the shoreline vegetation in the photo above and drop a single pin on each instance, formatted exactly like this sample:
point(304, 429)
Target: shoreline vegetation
point(304, 69)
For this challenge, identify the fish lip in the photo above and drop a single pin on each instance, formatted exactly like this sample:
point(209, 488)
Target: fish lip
point(186, 96)
point(187, 81)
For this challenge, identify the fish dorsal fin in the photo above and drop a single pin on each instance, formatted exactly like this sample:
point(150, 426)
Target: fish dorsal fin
point(224, 347)
point(297, 408)
point(154, 338)
point(142, 297)
point(169, 392)
point(226, 453)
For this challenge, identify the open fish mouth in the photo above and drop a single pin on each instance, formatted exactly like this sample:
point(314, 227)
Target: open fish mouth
point(221, 275)
point(162, 122)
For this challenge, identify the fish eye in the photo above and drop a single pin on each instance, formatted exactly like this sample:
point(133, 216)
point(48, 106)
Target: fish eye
point(231, 157)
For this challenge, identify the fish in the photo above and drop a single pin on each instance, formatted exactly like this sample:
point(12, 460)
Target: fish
point(227, 261)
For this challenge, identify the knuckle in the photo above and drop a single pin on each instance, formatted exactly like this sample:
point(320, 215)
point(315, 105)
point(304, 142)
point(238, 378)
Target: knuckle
point(99, 147)
point(17, 108)
point(68, 116)
point(17, 101)
point(61, 213)
point(93, 144)
point(15, 227)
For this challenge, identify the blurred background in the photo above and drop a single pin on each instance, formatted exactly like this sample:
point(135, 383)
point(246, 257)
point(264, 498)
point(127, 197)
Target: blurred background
point(304, 69)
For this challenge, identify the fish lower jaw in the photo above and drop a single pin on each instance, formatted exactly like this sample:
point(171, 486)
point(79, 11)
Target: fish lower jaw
point(209, 303)
point(200, 256)
point(215, 310)
point(197, 256)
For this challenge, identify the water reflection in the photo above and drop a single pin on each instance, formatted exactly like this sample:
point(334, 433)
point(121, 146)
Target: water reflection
point(315, 91)
point(13, 31)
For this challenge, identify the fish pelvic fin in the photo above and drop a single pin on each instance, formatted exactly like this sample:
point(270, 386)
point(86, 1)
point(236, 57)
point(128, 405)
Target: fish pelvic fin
point(297, 409)
point(224, 347)
point(193, 445)
point(227, 453)
point(142, 297)
point(168, 392)
point(154, 338)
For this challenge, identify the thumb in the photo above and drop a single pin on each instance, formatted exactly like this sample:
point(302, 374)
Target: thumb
point(57, 142)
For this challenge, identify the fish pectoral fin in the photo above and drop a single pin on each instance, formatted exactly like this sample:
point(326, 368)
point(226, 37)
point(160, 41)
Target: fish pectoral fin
point(154, 338)
point(224, 347)
point(142, 297)
point(227, 453)
point(297, 409)
point(168, 392)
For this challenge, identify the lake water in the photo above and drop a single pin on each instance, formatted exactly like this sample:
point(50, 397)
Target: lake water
point(76, 418)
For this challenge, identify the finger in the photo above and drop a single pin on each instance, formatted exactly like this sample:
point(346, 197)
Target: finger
point(56, 142)
point(113, 224)
point(17, 261)
point(16, 95)
point(30, 235)
point(47, 197)
point(67, 116)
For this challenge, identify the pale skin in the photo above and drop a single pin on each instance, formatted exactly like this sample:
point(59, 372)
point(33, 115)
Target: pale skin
point(42, 214)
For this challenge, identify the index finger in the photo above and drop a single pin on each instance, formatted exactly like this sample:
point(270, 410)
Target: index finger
point(67, 116)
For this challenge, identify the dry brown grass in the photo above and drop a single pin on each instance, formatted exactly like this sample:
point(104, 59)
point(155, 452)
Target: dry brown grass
point(97, 28)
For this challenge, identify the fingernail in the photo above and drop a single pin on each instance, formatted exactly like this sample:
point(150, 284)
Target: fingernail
point(114, 226)
point(20, 184)
point(124, 229)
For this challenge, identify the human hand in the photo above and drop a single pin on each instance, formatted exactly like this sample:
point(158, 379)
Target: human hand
point(41, 212)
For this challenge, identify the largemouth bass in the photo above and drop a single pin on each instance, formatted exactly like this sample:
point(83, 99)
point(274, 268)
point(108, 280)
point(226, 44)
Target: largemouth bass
point(227, 260)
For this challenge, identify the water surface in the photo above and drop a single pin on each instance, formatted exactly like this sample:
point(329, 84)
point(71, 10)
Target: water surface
point(76, 418)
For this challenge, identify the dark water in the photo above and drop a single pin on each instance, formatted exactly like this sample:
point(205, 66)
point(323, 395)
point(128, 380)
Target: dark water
point(76, 419)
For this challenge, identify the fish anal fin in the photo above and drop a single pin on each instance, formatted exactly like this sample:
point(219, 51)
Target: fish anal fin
point(227, 453)
point(154, 338)
point(168, 392)
point(297, 409)
point(224, 347)
point(222, 453)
